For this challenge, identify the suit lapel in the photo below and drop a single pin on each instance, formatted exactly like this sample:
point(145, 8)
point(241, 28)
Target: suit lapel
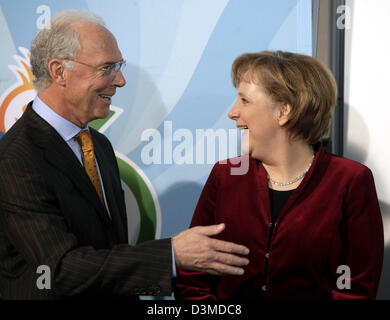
point(61, 156)
point(107, 172)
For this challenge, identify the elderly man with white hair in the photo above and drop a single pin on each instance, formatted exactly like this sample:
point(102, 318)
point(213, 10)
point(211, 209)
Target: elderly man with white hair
point(61, 201)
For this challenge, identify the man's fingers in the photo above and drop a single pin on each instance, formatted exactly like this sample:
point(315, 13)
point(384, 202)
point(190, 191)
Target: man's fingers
point(230, 259)
point(211, 230)
point(220, 245)
point(218, 269)
point(230, 247)
point(195, 250)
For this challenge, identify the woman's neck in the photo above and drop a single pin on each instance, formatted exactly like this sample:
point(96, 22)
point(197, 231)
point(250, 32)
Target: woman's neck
point(287, 162)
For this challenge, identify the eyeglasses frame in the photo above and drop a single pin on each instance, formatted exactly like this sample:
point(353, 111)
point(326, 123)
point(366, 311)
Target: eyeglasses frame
point(112, 68)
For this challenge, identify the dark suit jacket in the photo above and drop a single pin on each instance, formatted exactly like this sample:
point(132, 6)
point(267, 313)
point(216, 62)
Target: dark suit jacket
point(50, 214)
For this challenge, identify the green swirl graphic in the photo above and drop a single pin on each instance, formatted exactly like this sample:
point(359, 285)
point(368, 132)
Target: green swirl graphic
point(141, 188)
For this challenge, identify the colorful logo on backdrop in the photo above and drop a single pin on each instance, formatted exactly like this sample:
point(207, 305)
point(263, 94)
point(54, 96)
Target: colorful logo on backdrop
point(14, 100)
point(142, 206)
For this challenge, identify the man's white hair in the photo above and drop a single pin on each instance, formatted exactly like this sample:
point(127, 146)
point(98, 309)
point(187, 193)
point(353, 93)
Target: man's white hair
point(60, 41)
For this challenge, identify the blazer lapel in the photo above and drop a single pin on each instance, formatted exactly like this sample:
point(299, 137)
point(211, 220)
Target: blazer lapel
point(311, 179)
point(61, 156)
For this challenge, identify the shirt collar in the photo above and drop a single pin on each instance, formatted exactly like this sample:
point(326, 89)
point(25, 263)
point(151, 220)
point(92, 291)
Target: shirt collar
point(66, 129)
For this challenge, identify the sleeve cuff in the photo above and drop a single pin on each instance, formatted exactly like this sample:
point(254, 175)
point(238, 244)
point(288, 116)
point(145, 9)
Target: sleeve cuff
point(173, 262)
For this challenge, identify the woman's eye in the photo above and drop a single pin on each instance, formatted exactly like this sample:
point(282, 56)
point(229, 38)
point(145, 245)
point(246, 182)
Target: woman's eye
point(244, 100)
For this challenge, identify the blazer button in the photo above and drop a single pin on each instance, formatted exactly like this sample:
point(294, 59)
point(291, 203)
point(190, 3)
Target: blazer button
point(264, 288)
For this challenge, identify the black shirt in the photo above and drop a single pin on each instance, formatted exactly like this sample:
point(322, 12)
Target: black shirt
point(278, 199)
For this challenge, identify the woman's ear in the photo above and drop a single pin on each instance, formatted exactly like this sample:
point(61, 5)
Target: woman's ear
point(284, 113)
point(57, 72)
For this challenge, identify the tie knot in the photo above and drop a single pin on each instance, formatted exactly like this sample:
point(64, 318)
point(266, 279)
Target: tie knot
point(84, 139)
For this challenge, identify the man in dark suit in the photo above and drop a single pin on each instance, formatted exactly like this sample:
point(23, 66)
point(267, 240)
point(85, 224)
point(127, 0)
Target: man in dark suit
point(70, 218)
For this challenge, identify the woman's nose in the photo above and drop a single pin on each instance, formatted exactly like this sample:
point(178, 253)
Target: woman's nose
point(234, 113)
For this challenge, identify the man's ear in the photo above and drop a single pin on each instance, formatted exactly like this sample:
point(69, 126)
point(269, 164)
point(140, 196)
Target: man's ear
point(284, 113)
point(57, 72)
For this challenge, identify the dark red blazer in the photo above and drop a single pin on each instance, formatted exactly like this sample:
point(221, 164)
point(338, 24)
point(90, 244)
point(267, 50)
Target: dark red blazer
point(332, 219)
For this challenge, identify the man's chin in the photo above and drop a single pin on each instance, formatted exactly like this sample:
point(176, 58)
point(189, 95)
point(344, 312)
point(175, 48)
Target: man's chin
point(103, 112)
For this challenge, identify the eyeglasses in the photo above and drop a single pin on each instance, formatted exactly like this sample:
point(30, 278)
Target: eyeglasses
point(108, 70)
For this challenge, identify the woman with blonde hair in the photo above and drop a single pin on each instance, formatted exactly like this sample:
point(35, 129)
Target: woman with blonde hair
point(310, 218)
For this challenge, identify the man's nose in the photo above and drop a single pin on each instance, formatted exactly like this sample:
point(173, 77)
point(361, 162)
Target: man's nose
point(119, 80)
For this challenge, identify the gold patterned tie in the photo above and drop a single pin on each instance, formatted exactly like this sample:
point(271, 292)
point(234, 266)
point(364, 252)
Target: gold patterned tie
point(85, 141)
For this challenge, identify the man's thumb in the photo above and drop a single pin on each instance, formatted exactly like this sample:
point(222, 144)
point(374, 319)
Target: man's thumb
point(212, 230)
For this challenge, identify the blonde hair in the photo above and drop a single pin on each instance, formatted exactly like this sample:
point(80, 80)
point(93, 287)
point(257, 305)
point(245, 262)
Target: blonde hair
point(301, 81)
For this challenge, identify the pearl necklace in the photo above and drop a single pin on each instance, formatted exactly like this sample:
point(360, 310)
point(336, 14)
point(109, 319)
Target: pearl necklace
point(295, 179)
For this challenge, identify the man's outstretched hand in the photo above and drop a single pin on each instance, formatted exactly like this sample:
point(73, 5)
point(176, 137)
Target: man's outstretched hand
point(195, 250)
